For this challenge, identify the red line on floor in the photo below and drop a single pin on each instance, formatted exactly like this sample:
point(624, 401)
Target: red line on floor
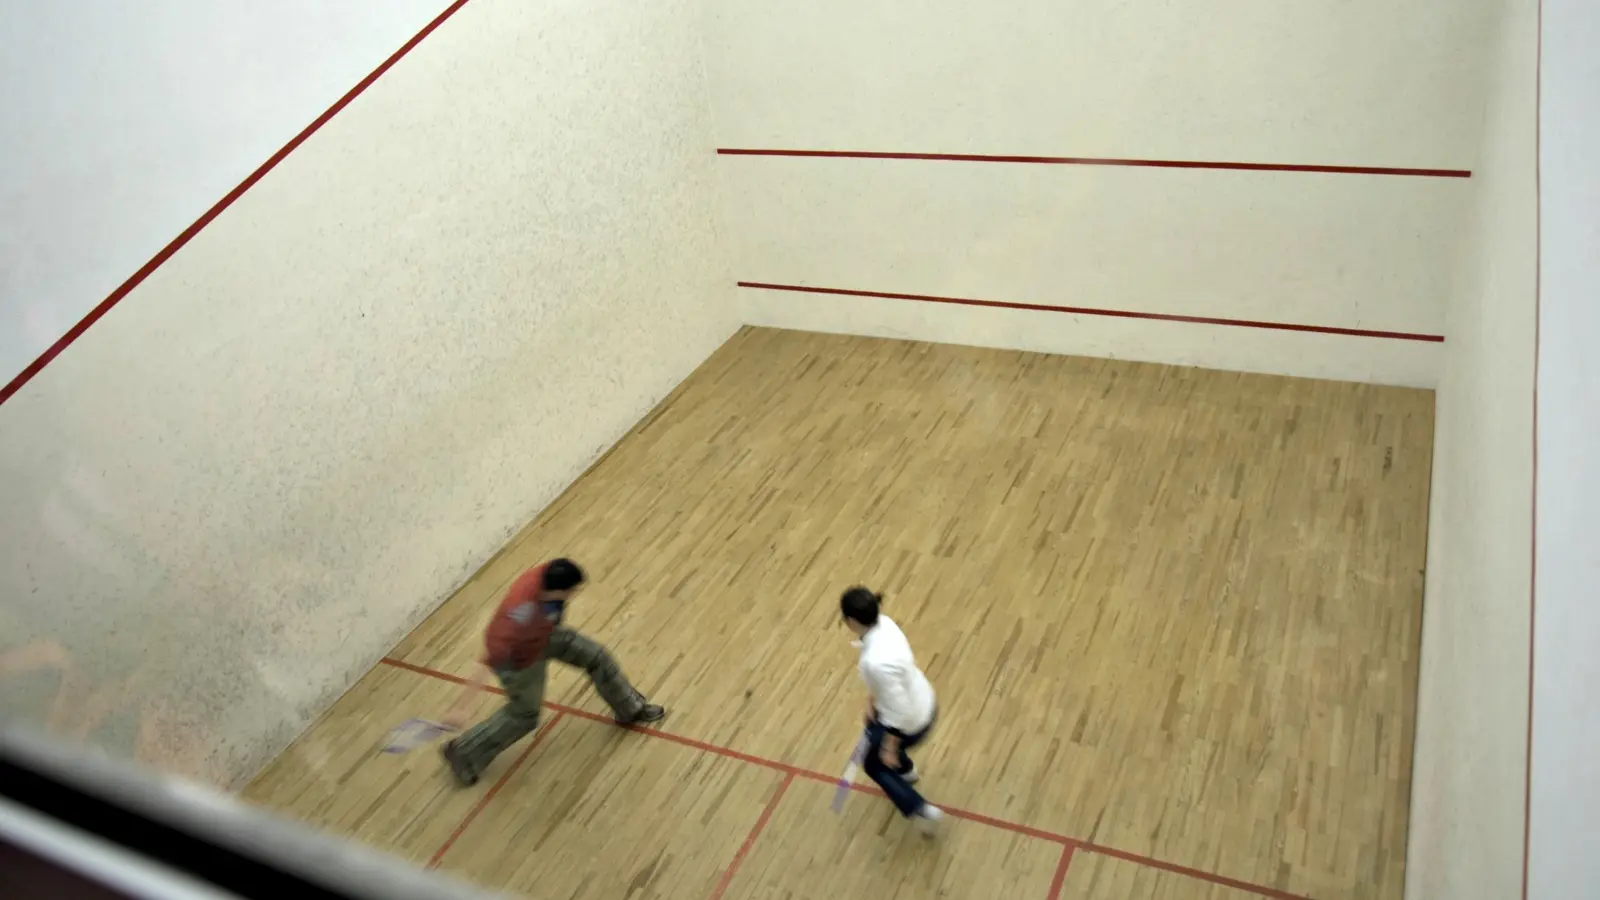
point(750, 839)
point(1060, 878)
point(432, 673)
point(787, 769)
point(1174, 868)
point(1103, 161)
point(1087, 311)
point(177, 243)
point(488, 795)
point(981, 819)
point(797, 772)
point(597, 717)
point(713, 748)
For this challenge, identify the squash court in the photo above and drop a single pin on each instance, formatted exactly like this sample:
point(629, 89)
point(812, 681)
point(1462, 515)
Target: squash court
point(1171, 613)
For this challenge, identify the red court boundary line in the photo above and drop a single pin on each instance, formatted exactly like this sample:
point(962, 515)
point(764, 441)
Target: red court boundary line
point(1058, 880)
point(1101, 161)
point(1088, 311)
point(793, 772)
point(177, 243)
point(466, 822)
point(750, 839)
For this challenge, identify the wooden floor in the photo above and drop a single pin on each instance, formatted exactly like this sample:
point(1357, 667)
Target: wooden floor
point(1171, 615)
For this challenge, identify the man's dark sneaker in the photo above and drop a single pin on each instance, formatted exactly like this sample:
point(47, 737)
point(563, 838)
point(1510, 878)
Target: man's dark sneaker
point(647, 714)
point(458, 767)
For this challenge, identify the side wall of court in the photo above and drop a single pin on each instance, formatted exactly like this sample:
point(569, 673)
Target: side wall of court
point(1565, 791)
point(265, 464)
point(1471, 746)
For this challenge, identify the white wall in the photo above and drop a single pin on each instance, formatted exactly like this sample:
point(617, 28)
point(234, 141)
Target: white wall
point(1469, 764)
point(263, 467)
point(125, 120)
point(1335, 82)
point(1565, 824)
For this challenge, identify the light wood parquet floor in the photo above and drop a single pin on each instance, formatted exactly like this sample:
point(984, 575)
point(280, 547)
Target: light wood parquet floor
point(1172, 616)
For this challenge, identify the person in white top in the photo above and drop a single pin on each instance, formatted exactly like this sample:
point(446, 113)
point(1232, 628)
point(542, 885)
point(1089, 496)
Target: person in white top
point(900, 705)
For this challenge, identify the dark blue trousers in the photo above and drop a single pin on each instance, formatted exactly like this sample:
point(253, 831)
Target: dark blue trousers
point(891, 779)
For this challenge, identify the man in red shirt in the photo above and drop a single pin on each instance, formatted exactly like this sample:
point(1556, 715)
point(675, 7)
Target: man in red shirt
point(524, 635)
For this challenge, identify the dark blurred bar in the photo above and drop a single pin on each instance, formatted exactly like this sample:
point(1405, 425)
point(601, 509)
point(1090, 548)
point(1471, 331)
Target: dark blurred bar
point(75, 823)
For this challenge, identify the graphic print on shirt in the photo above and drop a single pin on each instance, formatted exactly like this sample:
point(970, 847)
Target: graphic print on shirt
point(553, 610)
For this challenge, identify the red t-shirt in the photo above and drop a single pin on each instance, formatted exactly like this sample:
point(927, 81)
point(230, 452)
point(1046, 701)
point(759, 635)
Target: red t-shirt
point(520, 630)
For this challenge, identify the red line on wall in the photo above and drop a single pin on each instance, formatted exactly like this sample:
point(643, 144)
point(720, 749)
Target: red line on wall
point(488, 795)
point(1087, 311)
point(796, 772)
point(750, 840)
point(1103, 161)
point(177, 243)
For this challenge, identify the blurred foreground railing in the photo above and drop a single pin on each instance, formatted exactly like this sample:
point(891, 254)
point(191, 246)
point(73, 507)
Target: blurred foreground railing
point(75, 823)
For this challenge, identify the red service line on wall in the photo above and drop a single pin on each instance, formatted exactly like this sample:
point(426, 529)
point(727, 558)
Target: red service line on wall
point(1103, 161)
point(1088, 311)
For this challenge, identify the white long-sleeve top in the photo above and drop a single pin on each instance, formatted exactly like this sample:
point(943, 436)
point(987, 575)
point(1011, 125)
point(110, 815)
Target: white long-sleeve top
point(901, 694)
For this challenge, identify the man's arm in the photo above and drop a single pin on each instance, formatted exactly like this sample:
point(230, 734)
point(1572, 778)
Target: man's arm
point(457, 716)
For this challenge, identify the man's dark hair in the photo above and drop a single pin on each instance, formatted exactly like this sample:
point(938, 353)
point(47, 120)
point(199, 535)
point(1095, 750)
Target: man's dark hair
point(562, 575)
point(860, 605)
